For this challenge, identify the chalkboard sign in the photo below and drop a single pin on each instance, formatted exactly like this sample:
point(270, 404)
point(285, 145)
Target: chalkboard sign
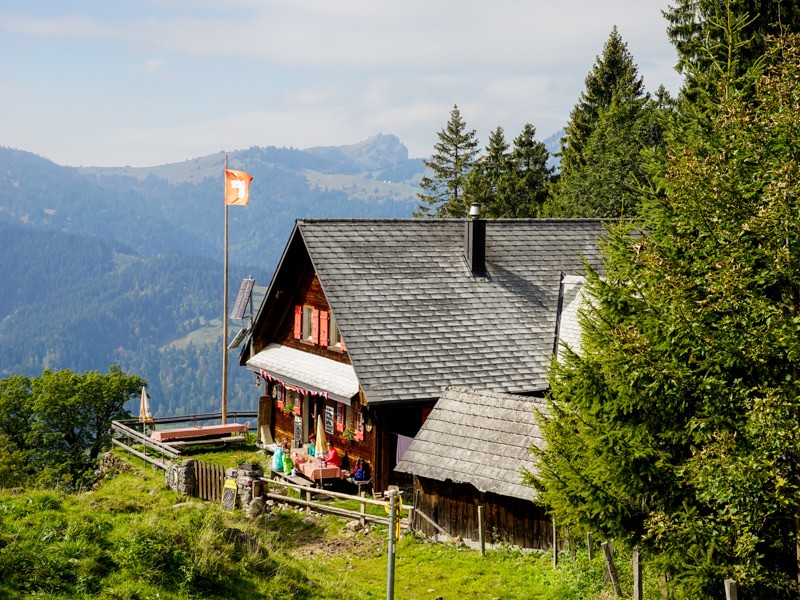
point(229, 495)
point(298, 431)
point(329, 420)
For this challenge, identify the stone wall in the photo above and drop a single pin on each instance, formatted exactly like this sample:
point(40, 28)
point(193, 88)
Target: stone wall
point(180, 478)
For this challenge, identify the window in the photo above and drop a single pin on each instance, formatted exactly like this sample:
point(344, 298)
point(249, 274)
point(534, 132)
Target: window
point(308, 319)
point(334, 335)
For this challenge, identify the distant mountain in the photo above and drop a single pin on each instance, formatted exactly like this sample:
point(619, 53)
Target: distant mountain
point(553, 145)
point(123, 265)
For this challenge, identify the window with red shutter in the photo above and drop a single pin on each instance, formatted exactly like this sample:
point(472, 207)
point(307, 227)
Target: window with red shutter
point(298, 322)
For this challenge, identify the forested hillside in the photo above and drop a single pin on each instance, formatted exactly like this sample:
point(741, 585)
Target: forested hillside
point(124, 266)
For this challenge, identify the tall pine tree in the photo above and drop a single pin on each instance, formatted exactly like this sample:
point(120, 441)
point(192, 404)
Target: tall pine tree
point(612, 123)
point(443, 188)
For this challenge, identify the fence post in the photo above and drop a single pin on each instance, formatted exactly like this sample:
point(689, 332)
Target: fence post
point(555, 544)
point(611, 569)
point(731, 591)
point(637, 574)
point(362, 507)
point(590, 545)
point(481, 530)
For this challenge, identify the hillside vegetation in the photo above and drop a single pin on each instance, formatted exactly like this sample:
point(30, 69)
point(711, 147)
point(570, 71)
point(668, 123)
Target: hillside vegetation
point(124, 266)
point(131, 538)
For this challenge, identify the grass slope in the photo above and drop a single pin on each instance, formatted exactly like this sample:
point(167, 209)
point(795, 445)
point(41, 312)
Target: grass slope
point(133, 539)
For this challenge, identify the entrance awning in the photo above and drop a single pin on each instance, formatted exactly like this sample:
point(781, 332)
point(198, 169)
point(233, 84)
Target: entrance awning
point(308, 371)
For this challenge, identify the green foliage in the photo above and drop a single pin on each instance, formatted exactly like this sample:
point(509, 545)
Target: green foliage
point(700, 31)
point(133, 539)
point(613, 73)
point(54, 427)
point(510, 183)
point(449, 166)
point(676, 426)
point(601, 153)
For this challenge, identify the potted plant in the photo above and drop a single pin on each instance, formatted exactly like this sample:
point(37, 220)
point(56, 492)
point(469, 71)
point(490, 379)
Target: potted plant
point(348, 435)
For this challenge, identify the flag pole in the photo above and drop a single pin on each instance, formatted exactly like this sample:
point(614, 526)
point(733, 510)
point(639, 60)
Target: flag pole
point(224, 410)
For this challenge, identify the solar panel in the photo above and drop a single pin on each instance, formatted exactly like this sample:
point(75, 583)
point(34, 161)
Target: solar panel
point(242, 298)
point(238, 339)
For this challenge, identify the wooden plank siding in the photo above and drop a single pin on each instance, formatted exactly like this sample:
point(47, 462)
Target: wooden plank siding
point(454, 507)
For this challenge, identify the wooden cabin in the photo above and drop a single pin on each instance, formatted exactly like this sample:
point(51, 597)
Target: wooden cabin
point(367, 321)
point(472, 451)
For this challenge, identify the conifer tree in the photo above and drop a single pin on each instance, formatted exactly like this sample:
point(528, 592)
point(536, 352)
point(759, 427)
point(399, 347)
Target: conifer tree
point(612, 123)
point(486, 180)
point(613, 71)
point(454, 154)
point(676, 426)
point(528, 176)
point(697, 30)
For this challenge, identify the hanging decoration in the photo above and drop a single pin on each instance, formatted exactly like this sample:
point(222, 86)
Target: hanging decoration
point(300, 390)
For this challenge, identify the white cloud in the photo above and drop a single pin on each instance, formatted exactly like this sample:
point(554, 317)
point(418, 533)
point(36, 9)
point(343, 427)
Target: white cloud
point(318, 72)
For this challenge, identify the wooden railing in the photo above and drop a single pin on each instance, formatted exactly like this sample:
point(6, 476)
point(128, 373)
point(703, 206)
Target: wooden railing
point(310, 504)
point(126, 438)
point(127, 433)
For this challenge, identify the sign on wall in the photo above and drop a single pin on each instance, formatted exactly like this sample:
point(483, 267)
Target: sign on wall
point(329, 420)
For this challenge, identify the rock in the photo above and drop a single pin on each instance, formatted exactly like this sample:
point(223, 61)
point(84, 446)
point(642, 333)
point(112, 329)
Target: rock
point(256, 506)
point(354, 526)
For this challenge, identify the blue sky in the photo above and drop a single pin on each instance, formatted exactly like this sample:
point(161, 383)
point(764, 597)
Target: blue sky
point(118, 82)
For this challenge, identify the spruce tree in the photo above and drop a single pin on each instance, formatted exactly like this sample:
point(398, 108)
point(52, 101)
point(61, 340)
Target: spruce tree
point(613, 71)
point(676, 426)
point(485, 182)
point(443, 188)
point(524, 188)
point(612, 123)
point(697, 29)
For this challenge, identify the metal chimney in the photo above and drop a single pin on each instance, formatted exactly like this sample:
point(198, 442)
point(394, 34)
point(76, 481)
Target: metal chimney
point(475, 240)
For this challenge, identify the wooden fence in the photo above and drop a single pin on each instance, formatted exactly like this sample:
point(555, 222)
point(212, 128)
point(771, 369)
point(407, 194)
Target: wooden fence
point(208, 481)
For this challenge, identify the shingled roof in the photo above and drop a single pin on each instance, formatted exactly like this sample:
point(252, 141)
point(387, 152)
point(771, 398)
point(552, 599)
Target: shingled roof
point(415, 318)
point(478, 437)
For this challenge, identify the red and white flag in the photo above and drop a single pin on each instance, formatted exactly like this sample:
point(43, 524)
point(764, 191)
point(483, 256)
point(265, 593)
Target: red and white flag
point(237, 187)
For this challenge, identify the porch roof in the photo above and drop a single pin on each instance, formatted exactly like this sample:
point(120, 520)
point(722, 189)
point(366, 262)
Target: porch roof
point(307, 371)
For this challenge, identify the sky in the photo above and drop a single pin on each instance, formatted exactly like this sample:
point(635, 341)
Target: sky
point(148, 82)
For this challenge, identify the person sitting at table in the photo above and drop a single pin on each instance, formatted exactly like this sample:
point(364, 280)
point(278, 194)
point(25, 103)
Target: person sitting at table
point(288, 465)
point(312, 439)
point(332, 456)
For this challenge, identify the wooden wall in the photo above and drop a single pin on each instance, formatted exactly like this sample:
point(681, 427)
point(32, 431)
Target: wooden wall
point(308, 293)
point(454, 507)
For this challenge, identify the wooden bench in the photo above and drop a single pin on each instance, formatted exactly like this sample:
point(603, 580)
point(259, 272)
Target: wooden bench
point(227, 441)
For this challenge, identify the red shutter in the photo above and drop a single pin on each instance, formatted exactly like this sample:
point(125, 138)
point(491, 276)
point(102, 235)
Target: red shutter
point(323, 328)
point(344, 347)
point(298, 322)
point(315, 325)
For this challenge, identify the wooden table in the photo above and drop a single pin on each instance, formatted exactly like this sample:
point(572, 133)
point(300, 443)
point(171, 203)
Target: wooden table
point(315, 470)
point(183, 433)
